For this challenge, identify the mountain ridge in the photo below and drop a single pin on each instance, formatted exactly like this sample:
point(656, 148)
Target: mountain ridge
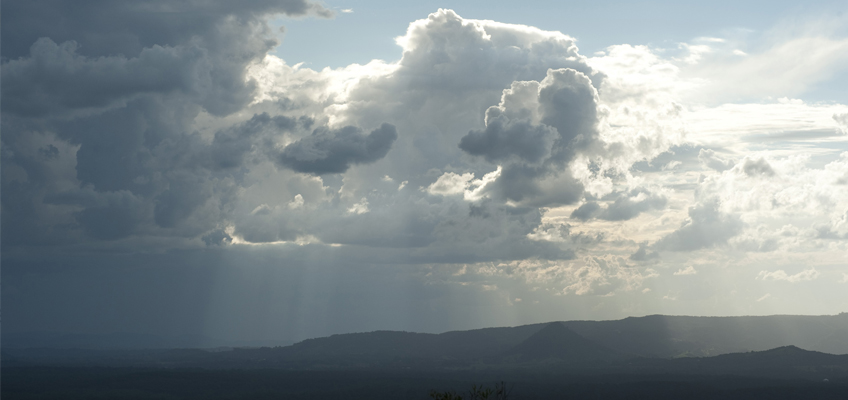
point(668, 336)
point(556, 342)
point(644, 345)
point(654, 336)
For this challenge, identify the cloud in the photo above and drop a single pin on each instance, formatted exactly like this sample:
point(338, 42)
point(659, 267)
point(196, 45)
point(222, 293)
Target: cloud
point(629, 205)
point(334, 151)
point(837, 228)
point(706, 226)
point(781, 275)
point(504, 139)
point(728, 77)
point(232, 145)
point(162, 48)
point(842, 122)
point(758, 167)
point(56, 79)
point(217, 238)
point(601, 276)
point(142, 25)
point(194, 148)
point(643, 254)
point(185, 193)
point(116, 218)
point(710, 159)
point(690, 270)
point(121, 88)
point(450, 184)
point(586, 211)
point(535, 131)
point(359, 208)
point(625, 206)
point(174, 136)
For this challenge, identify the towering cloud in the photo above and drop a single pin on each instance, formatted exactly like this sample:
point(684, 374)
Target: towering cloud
point(535, 131)
point(489, 163)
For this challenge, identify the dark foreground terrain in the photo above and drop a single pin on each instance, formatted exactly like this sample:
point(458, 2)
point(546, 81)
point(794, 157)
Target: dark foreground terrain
point(653, 357)
point(133, 383)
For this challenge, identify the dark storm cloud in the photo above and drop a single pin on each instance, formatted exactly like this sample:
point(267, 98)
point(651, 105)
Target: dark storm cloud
point(184, 194)
point(98, 53)
point(231, 145)
point(113, 221)
point(106, 216)
point(111, 90)
point(49, 152)
point(110, 27)
point(120, 101)
point(334, 151)
point(217, 238)
point(130, 168)
point(55, 78)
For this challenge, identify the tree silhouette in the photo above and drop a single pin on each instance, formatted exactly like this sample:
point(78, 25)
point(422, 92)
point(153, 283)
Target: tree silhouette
point(499, 392)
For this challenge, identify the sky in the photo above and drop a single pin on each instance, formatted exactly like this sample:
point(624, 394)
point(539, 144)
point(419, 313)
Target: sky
point(274, 170)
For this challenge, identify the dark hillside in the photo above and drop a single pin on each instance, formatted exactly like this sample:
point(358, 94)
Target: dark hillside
point(782, 362)
point(556, 342)
point(675, 336)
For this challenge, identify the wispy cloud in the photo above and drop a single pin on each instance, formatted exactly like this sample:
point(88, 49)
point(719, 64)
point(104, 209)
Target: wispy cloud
point(690, 270)
point(781, 275)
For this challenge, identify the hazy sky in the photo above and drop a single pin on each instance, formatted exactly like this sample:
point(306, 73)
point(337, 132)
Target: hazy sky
point(187, 167)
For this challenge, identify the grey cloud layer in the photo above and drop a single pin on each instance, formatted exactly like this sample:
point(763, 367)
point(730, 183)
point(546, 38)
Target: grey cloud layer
point(111, 51)
point(491, 158)
point(122, 112)
point(624, 206)
point(111, 90)
point(109, 27)
point(125, 114)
